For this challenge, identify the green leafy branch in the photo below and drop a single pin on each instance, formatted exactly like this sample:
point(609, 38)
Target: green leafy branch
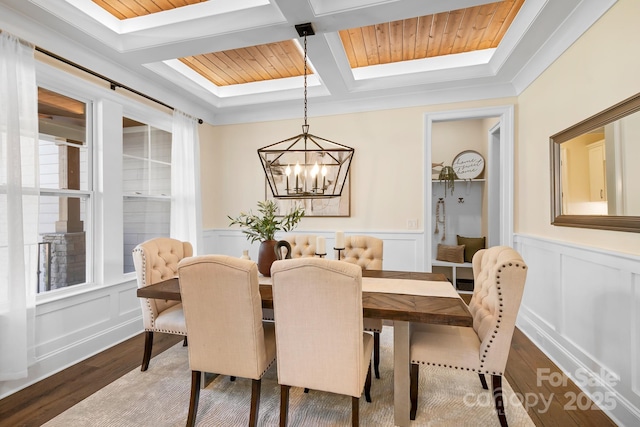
point(264, 225)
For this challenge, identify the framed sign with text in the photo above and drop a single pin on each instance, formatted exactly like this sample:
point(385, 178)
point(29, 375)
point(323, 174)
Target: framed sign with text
point(468, 164)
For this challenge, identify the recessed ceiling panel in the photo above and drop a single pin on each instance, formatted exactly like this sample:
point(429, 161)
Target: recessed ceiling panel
point(458, 31)
point(125, 9)
point(252, 64)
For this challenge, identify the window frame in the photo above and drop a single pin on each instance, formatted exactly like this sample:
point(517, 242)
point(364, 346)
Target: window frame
point(89, 193)
point(101, 251)
point(166, 126)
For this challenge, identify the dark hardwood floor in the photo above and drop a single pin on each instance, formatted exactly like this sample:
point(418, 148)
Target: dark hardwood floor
point(41, 402)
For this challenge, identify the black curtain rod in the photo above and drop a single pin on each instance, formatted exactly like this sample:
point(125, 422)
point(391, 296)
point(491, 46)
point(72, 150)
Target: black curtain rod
point(113, 84)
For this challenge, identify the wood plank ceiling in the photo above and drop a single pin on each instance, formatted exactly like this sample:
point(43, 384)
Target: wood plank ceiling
point(125, 9)
point(457, 31)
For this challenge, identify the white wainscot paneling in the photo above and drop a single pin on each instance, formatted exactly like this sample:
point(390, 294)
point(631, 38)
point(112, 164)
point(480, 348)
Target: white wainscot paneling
point(596, 311)
point(581, 306)
point(82, 323)
point(128, 303)
point(55, 327)
point(402, 250)
point(543, 298)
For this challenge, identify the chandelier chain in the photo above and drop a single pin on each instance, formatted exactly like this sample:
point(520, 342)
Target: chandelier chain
point(305, 78)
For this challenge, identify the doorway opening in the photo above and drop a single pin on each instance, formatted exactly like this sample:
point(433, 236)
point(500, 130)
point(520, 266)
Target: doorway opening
point(495, 185)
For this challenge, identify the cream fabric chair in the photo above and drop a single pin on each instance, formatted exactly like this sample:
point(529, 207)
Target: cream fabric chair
point(499, 273)
point(318, 317)
point(222, 308)
point(157, 260)
point(302, 245)
point(366, 251)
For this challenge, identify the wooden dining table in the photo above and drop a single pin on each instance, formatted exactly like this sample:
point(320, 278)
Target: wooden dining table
point(398, 296)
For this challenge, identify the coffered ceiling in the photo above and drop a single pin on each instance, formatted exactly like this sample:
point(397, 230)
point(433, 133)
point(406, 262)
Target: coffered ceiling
point(231, 61)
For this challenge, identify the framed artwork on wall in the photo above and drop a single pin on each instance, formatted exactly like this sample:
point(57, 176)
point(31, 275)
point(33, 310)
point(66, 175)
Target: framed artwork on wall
point(329, 207)
point(468, 164)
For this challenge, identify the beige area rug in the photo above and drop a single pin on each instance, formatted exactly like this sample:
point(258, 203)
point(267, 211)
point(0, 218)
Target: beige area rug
point(160, 397)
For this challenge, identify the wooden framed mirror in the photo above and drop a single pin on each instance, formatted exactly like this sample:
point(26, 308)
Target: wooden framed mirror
point(595, 172)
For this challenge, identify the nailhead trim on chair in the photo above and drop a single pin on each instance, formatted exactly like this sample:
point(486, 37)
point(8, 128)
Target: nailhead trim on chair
point(144, 280)
point(267, 368)
point(153, 319)
point(167, 331)
point(495, 331)
point(498, 320)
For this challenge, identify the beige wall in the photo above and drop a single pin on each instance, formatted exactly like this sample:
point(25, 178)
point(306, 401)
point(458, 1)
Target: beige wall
point(598, 71)
point(595, 73)
point(451, 137)
point(387, 172)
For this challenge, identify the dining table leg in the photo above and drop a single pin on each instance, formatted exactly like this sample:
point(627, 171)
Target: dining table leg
point(401, 380)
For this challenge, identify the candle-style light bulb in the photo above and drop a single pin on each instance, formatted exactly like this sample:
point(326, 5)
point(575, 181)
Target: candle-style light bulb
point(323, 171)
point(296, 170)
point(287, 172)
point(314, 174)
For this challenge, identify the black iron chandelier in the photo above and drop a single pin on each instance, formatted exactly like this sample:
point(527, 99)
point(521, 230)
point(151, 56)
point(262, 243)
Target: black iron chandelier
point(306, 166)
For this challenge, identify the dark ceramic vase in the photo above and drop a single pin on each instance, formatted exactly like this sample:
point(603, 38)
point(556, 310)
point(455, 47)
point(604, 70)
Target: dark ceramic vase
point(266, 257)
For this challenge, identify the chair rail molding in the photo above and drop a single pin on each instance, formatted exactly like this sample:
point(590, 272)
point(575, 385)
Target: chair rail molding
point(581, 307)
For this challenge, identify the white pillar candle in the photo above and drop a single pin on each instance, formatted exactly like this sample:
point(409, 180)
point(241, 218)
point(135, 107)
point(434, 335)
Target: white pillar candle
point(320, 245)
point(339, 239)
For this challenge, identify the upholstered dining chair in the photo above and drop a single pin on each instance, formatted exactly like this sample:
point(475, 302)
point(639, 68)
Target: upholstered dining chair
point(318, 319)
point(157, 260)
point(302, 245)
point(500, 274)
point(366, 251)
point(222, 309)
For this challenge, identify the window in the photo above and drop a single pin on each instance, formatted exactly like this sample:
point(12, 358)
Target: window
point(65, 191)
point(146, 185)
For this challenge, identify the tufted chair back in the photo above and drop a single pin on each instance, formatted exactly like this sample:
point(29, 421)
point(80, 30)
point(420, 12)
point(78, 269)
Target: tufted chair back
point(157, 260)
point(499, 274)
point(366, 251)
point(499, 277)
point(302, 245)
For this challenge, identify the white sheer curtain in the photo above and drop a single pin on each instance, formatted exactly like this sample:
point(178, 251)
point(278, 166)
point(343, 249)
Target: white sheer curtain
point(186, 205)
point(19, 197)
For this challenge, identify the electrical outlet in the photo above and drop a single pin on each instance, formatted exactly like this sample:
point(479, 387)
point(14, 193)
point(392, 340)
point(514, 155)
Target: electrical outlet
point(412, 224)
